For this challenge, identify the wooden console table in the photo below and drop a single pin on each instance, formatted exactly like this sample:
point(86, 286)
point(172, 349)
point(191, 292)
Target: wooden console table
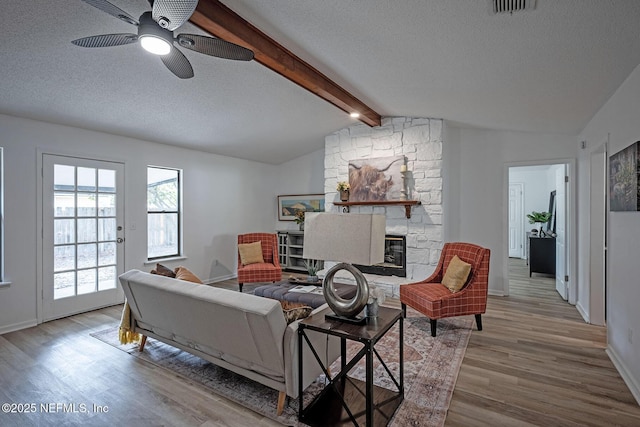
point(406, 203)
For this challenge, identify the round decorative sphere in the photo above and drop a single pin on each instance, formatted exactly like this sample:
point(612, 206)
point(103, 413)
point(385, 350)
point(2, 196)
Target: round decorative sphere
point(346, 307)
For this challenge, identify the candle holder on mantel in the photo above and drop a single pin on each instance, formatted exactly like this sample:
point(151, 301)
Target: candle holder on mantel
point(403, 191)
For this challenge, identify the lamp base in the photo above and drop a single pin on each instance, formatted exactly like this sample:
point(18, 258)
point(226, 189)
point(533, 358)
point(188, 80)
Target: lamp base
point(358, 320)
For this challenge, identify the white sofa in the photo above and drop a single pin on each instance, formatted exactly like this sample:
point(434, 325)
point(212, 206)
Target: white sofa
point(244, 333)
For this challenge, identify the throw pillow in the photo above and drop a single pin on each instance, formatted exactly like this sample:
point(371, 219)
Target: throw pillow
point(163, 271)
point(456, 275)
point(294, 314)
point(250, 253)
point(183, 273)
point(287, 305)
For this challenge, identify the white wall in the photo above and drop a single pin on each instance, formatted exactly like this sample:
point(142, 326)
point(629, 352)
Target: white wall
point(222, 197)
point(477, 197)
point(538, 182)
point(304, 175)
point(618, 119)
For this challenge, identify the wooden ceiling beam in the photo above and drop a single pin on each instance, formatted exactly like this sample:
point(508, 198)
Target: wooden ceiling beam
point(217, 19)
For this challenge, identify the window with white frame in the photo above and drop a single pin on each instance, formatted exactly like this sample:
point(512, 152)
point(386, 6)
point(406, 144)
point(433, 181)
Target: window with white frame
point(163, 213)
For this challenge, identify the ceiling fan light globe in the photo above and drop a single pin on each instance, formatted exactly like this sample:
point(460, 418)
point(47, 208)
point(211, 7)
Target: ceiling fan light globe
point(155, 45)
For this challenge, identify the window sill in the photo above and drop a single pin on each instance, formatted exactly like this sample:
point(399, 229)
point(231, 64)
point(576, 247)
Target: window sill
point(154, 261)
point(5, 284)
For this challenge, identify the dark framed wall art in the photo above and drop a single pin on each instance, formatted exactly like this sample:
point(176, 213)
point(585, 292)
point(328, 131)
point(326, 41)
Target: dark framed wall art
point(624, 192)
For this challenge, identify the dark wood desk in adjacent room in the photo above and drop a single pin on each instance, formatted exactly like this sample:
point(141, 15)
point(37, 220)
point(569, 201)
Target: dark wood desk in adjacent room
point(542, 254)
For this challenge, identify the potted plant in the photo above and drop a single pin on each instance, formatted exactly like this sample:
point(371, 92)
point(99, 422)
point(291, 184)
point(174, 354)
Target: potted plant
point(343, 187)
point(539, 218)
point(312, 266)
point(299, 219)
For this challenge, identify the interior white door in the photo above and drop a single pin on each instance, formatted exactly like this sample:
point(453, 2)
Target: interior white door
point(516, 224)
point(597, 234)
point(561, 231)
point(82, 232)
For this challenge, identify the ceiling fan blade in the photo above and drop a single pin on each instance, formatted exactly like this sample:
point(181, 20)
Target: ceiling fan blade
point(112, 10)
point(170, 14)
point(214, 47)
point(178, 64)
point(106, 40)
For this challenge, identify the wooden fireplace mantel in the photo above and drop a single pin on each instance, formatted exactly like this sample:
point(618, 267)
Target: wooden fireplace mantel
point(406, 203)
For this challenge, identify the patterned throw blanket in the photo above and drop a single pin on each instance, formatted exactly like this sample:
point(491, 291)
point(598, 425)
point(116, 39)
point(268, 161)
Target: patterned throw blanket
point(126, 333)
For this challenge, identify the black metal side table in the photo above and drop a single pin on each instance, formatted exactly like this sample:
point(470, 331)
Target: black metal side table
point(345, 400)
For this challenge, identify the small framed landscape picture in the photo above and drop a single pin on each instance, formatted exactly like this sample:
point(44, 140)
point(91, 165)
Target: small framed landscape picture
point(288, 205)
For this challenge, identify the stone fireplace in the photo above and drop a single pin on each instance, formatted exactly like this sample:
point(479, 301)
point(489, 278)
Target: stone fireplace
point(395, 260)
point(419, 140)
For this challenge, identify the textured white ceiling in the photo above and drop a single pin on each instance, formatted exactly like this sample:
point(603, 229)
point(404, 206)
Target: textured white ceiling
point(547, 70)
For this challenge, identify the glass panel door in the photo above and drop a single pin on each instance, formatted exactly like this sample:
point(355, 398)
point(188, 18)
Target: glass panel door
point(82, 234)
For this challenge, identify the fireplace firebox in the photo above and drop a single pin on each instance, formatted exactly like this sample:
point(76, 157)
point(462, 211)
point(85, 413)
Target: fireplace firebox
point(395, 259)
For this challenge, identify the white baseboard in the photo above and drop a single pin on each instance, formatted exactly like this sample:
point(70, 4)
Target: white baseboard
point(497, 293)
point(220, 279)
point(582, 312)
point(17, 326)
point(630, 381)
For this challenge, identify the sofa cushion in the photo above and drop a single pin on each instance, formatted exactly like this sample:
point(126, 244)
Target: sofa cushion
point(163, 271)
point(183, 273)
point(456, 275)
point(251, 253)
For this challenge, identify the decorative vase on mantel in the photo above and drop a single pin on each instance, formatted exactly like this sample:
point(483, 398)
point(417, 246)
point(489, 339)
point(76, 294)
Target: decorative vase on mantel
point(344, 195)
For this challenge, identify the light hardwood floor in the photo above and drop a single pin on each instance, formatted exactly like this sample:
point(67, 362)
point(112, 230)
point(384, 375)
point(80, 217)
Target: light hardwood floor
point(535, 363)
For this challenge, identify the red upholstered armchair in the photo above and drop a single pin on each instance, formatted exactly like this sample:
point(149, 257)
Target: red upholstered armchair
point(268, 271)
point(435, 301)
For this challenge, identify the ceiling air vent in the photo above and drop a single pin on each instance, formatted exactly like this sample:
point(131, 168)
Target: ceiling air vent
point(510, 6)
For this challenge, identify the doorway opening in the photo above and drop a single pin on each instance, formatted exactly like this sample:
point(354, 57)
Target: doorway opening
point(545, 249)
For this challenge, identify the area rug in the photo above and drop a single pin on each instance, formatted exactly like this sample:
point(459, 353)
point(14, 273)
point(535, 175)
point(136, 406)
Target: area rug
point(431, 367)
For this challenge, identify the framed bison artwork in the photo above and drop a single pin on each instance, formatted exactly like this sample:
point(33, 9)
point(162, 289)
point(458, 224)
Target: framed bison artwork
point(375, 179)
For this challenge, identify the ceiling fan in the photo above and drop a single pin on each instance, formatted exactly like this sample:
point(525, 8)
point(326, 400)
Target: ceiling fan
point(155, 34)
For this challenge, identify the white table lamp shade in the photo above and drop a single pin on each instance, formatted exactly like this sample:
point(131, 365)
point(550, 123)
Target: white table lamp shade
point(349, 238)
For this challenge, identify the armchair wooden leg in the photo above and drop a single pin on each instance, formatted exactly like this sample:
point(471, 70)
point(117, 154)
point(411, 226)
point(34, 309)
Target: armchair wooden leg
point(240, 286)
point(404, 310)
point(479, 321)
point(282, 397)
point(143, 341)
point(434, 326)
